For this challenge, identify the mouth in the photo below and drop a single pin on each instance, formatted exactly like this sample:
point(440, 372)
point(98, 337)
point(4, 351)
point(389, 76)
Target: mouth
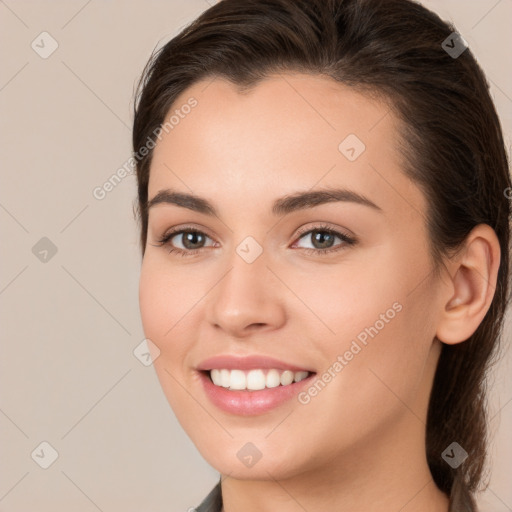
point(255, 379)
point(252, 384)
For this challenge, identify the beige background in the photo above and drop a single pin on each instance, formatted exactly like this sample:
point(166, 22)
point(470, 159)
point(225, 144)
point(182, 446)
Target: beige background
point(70, 325)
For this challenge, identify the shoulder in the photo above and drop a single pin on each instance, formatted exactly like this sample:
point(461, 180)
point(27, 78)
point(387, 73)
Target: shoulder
point(212, 502)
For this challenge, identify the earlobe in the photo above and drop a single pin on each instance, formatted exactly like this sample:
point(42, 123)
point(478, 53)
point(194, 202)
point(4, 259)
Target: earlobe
point(471, 287)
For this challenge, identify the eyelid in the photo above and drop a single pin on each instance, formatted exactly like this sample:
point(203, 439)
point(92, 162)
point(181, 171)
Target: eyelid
point(348, 239)
point(325, 227)
point(179, 230)
point(186, 227)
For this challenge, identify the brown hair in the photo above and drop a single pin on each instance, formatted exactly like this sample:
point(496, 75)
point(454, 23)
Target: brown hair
point(451, 141)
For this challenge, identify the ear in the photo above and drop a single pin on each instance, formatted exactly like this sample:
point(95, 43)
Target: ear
point(472, 283)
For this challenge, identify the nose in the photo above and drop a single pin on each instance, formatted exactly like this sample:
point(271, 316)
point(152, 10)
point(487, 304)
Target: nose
point(247, 299)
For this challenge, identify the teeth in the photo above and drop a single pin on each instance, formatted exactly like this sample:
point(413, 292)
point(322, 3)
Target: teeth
point(254, 380)
point(224, 378)
point(300, 376)
point(215, 376)
point(238, 380)
point(286, 378)
point(273, 379)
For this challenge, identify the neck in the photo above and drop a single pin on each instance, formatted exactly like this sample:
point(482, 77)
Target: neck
point(391, 475)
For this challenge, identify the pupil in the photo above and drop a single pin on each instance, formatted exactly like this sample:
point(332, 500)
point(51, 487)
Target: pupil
point(190, 237)
point(321, 236)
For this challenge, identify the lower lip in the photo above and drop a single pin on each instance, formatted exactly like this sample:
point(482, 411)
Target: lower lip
point(250, 403)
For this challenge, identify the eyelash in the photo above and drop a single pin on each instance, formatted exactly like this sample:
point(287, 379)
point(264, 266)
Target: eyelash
point(348, 240)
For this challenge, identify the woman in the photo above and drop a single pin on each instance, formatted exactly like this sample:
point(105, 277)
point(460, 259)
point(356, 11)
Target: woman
point(348, 373)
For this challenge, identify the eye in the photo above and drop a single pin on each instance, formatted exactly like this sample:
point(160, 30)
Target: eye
point(191, 240)
point(188, 241)
point(323, 239)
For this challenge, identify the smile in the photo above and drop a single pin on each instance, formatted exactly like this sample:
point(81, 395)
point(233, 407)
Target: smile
point(255, 379)
point(253, 384)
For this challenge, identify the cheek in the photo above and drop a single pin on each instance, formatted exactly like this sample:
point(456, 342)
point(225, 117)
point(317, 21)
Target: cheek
point(165, 296)
point(346, 299)
point(383, 326)
point(164, 303)
point(163, 306)
point(153, 302)
point(387, 370)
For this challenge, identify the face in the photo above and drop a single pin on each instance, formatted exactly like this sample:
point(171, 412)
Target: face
point(262, 284)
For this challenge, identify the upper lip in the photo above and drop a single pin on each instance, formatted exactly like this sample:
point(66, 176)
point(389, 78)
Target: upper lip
point(230, 362)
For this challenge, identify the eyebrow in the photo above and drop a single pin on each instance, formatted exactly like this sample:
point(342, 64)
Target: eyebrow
point(281, 206)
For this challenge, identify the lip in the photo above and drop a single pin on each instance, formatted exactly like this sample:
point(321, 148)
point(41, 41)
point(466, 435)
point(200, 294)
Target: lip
point(250, 403)
point(253, 362)
point(246, 402)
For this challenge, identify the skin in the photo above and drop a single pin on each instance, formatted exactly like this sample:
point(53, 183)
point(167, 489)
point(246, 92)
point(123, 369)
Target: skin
point(358, 444)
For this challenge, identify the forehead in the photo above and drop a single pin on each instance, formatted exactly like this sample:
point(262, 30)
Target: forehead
point(290, 131)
